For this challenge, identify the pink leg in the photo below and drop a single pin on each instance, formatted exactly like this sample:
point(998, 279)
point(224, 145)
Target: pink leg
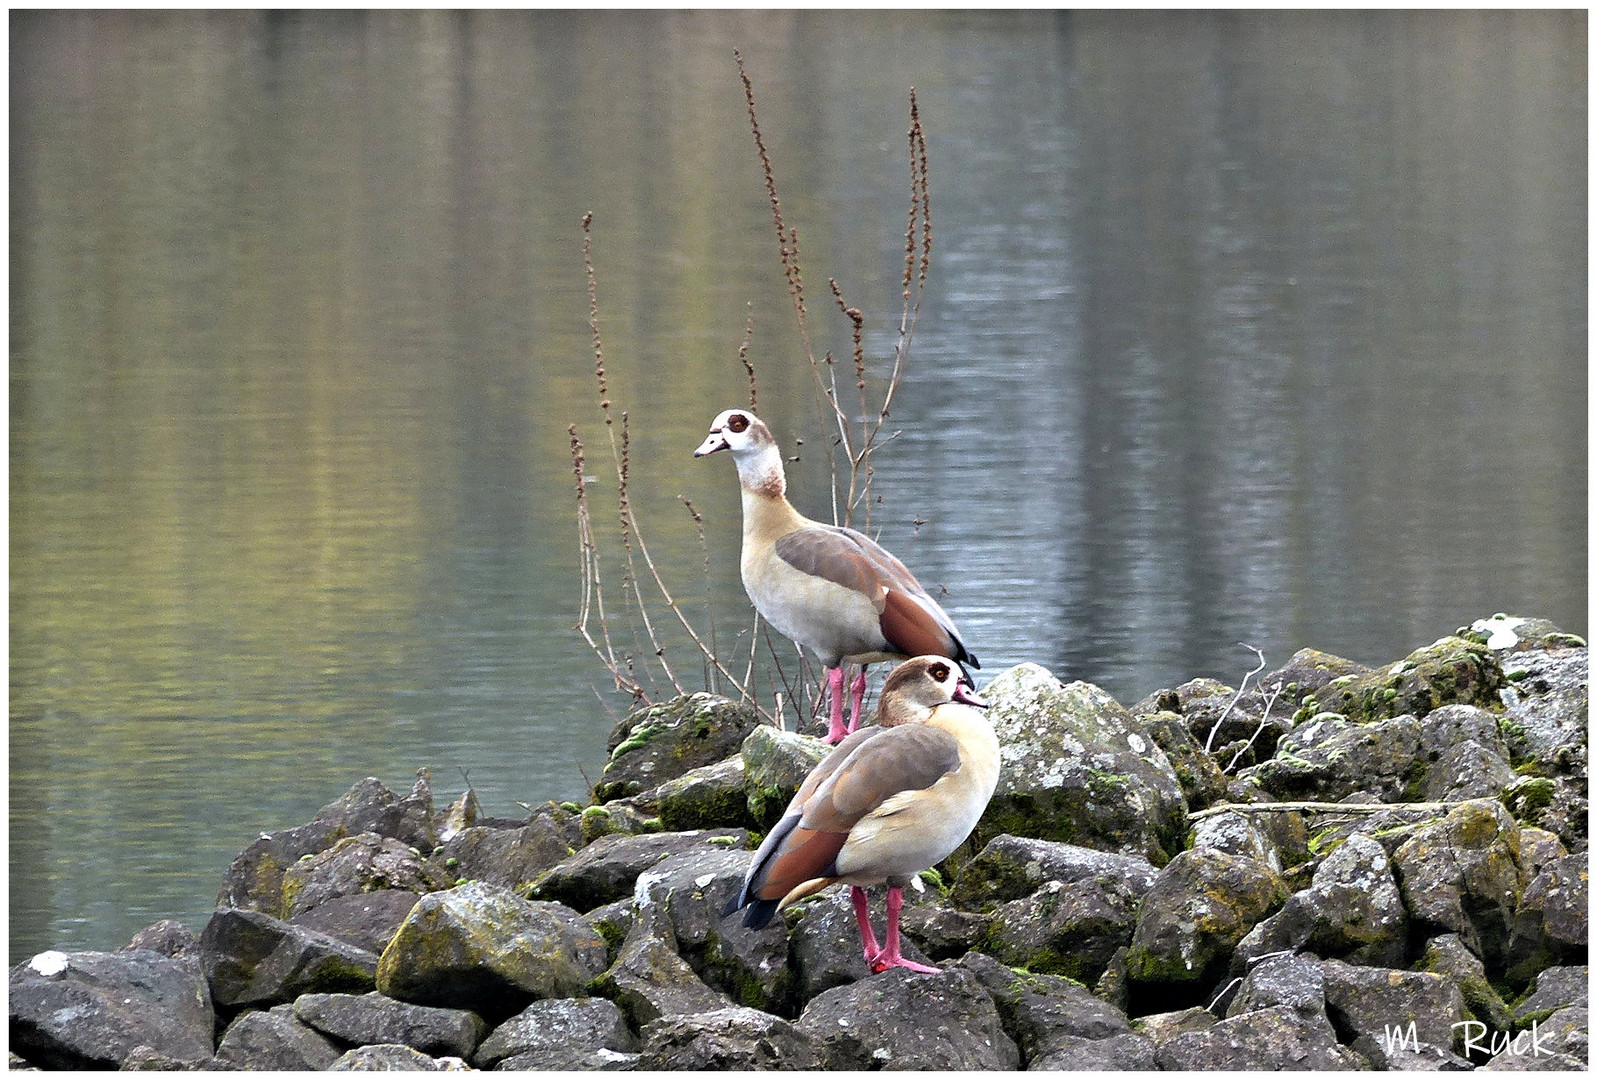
point(867, 936)
point(834, 690)
point(859, 697)
point(890, 957)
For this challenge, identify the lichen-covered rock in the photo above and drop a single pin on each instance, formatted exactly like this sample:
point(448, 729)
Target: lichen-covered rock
point(571, 1059)
point(733, 1038)
point(776, 763)
point(167, 937)
point(825, 945)
point(1557, 803)
point(649, 980)
point(1352, 909)
point(1200, 908)
point(1308, 672)
point(689, 891)
point(274, 1040)
point(612, 922)
point(1329, 757)
point(1077, 768)
point(365, 920)
point(1448, 956)
point(1267, 1040)
point(1238, 834)
point(661, 742)
point(1070, 929)
point(711, 796)
point(1044, 1014)
point(1386, 1054)
point(1011, 867)
point(355, 865)
point(482, 948)
point(941, 930)
point(607, 869)
point(1369, 1001)
point(1160, 1028)
point(1128, 1052)
point(1249, 724)
point(557, 1024)
point(1550, 924)
point(1537, 848)
point(512, 858)
point(255, 878)
point(251, 958)
point(1451, 670)
point(394, 1057)
point(905, 1020)
point(1293, 981)
point(369, 1019)
point(1198, 773)
point(1462, 874)
point(1553, 989)
point(91, 1010)
point(1547, 703)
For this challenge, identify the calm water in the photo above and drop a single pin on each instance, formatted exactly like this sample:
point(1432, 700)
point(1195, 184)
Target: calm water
point(1263, 328)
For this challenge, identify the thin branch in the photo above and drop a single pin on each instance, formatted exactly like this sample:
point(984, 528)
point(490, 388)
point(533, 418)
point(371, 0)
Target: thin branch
point(1320, 808)
point(1208, 744)
point(1264, 721)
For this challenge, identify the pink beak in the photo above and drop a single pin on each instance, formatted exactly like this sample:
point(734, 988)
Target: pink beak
point(965, 693)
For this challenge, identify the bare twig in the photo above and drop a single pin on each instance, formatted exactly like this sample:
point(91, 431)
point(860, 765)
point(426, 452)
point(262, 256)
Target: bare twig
point(1264, 721)
point(1208, 744)
point(1318, 808)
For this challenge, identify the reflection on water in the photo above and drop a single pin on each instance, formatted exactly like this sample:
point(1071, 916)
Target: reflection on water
point(1264, 328)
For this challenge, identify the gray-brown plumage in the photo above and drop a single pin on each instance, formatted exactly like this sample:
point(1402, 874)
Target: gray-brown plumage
point(832, 590)
point(890, 801)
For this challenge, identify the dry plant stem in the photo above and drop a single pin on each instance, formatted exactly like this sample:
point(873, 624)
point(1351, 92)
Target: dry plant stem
point(1319, 808)
point(1208, 744)
point(592, 584)
point(748, 365)
point(1269, 703)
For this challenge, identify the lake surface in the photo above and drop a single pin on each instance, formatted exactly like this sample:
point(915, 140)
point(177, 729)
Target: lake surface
point(1264, 328)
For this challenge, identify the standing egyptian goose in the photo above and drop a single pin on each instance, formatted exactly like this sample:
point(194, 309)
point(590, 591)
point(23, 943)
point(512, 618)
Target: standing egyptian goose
point(890, 801)
point(832, 590)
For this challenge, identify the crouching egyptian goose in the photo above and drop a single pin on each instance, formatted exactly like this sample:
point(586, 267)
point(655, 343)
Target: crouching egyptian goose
point(832, 590)
point(890, 801)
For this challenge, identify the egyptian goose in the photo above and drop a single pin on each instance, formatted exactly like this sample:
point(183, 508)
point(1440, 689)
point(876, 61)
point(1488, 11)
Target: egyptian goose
point(890, 801)
point(832, 590)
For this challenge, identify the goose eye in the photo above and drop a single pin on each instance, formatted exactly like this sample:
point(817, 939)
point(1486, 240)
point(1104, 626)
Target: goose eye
point(939, 672)
point(737, 422)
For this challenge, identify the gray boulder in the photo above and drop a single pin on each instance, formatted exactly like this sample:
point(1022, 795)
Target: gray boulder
point(167, 937)
point(1046, 1014)
point(825, 944)
point(1370, 1001)
point(1351, 909)
point(661, 742)
point(512, 858)
point(775, 765)
point(711, 796)
point(1462, 875)
point(1450, 671)
point(1012, 867)
point(1550, 924)
point(1391, 1054)
point(906, 1020)
point(1267, 1040)
point(1160, 1028)
point(1547, 703)
point(1537, 848)
point(1295, 982)
point(607, 869)
point(1077, 768)
point(370, 1019)
point(557, 1024)
point(365, 920)
point(1202, 782)
point(649, 980)
point(1448, 956)
point(91, 1010)
point(733, 1038)
point(571, 1059)
point(1203, 904)
point(1238, 834)
point(1329, 757)
point(356, 865)
point(1552, 990)
point(1117, 1053)
point(394, 1057)
point(482, 948)
point(274, 1040)
point(1071, 929)
point(255, 878)
point(251, 958)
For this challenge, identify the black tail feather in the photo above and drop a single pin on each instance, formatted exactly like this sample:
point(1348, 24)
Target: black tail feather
point(759, 913)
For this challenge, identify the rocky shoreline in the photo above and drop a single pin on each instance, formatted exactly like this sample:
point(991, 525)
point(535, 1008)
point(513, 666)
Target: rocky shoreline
point(1344, 868)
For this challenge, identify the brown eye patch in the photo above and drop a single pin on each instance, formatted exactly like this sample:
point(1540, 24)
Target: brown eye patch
point(938, 672)
point(737, 422)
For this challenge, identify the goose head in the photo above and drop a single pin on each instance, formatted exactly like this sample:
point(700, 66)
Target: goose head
point(739, 431)
point(918, 686)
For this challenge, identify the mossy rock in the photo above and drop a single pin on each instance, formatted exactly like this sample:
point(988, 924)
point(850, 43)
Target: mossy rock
point(1450, 671)
point(662, 742)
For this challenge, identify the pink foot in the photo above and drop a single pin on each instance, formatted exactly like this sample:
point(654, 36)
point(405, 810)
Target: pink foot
point(889, 956)
point(867, 936)
point(834, 690)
